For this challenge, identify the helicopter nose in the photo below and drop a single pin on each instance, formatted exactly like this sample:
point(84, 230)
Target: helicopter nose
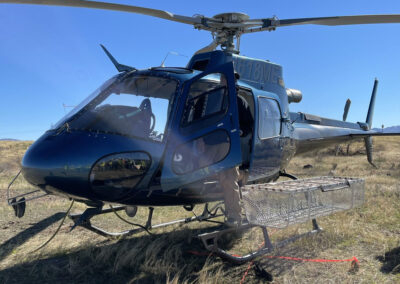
point(56, 165)
point(103, 167)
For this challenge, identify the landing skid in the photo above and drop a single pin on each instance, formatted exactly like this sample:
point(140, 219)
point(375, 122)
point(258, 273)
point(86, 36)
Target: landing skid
point(83, 220)
point(210, 241)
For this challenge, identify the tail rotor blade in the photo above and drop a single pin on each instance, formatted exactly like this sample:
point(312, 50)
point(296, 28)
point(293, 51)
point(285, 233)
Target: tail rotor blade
point(372, 105)
point(346, 109)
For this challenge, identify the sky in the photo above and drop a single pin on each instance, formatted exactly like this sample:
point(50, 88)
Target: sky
point(50, 56)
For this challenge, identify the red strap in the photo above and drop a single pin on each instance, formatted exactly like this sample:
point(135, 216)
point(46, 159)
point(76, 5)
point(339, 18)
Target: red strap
point(199, 253)
point(247, 272)
point(312, 260)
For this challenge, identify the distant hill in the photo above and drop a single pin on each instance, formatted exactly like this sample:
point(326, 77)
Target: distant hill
point(389, 129)
point(8, 139)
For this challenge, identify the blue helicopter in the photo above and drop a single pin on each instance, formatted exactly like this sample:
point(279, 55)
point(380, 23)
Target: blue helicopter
point(160, 136)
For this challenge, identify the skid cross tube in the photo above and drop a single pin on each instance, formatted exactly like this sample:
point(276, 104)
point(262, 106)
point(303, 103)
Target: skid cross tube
point(83, 220)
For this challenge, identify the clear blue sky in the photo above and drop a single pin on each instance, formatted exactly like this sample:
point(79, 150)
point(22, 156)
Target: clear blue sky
point(51, 55)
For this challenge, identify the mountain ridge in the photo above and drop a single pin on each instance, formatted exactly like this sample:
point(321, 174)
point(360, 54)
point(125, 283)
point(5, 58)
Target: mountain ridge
point(389, 129)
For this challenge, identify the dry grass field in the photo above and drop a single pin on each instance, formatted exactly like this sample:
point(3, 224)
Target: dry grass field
point(370, 233)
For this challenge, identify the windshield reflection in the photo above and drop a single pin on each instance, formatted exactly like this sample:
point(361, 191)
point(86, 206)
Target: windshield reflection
point(138, 106)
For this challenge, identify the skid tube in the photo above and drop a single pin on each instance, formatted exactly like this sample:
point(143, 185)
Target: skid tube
point(210, 241)
point(83, 220)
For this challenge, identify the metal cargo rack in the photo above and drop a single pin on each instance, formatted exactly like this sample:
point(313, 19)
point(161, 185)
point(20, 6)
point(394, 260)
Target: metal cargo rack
point(290, 202)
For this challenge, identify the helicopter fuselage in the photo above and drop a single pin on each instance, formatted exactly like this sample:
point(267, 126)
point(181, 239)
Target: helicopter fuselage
point(161, 136)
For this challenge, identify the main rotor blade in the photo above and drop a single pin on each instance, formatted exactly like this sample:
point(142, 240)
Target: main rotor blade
point(111, 6)
point(344, 20)
point(270, 24)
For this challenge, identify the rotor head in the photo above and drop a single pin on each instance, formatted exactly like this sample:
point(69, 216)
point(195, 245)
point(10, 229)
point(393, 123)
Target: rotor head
point(225, 27)
point(233, 17)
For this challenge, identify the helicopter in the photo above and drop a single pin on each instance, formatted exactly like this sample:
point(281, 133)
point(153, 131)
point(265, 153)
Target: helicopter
point(160, 136)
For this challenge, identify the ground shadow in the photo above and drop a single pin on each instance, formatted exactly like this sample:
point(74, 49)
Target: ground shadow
point(7, 247)
point(390, 261)
point(116, 262)
point(145, 259)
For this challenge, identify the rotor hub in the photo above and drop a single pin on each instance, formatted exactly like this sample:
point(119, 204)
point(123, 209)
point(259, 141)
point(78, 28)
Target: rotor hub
point(233, 17)
point(227, 27)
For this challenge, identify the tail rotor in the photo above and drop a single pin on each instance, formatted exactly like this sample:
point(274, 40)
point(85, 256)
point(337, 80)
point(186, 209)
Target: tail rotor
point(368, 123)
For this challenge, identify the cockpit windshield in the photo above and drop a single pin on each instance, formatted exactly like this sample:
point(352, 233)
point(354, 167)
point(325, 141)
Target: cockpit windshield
point(138, 106)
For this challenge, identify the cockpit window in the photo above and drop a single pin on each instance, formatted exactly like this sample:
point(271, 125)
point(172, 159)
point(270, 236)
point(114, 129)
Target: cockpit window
point(138, 106)
point(208, 97)
point(79, 107)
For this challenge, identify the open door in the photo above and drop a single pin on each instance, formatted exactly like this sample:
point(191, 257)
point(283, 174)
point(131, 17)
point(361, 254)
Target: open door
point(204, 138)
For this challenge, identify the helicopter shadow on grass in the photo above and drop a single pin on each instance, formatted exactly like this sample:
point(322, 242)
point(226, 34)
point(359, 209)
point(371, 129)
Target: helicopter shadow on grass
point(390, 261)
point(144, 259)
point(7, 247)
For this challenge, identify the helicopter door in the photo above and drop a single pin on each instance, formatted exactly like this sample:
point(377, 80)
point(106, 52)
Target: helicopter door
point(267, 153)
point(204, 138)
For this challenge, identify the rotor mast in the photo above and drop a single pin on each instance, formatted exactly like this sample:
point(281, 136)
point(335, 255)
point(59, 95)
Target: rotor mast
point(226, 36)
point(227, 29)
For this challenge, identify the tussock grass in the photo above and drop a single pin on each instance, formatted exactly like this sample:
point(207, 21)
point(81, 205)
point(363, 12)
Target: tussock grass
point(370, 233)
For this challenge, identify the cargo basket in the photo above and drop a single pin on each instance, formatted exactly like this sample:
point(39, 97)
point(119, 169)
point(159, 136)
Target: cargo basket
point(290, 202)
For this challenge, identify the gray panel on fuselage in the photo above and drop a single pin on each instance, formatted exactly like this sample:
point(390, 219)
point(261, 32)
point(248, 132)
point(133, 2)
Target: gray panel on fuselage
point(263, 75)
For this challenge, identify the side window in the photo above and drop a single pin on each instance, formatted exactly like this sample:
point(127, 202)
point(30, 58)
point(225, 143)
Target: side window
point(269, 121)
point(207, 100)
point(201, 152)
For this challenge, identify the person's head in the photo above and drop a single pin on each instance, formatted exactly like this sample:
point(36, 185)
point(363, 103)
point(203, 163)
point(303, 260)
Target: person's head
point(145, 105)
